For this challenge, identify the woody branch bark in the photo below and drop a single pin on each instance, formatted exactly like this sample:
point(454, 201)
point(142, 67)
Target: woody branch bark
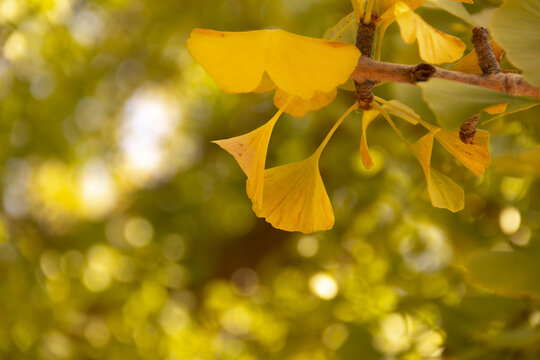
point(369, 69)
point(364, 42)
point(489, 65)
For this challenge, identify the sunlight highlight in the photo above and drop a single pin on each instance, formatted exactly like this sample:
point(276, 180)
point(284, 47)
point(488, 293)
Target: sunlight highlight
point(324, 286)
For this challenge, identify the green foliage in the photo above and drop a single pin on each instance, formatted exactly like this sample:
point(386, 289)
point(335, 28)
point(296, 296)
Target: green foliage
point(452, 102)
point(515, 27)
point(512, 273)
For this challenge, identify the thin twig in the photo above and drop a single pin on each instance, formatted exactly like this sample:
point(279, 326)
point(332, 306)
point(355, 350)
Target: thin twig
point(369, 69)
point(489, 65)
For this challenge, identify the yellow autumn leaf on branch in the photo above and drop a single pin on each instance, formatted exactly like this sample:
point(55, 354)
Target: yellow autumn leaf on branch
point(435, 46)
point(386, 7)
point(475, 156)
point(298, 65)
point(299, 107)
point(295, 198)
point(367, 118)
point(443, 191)
point(249, 151)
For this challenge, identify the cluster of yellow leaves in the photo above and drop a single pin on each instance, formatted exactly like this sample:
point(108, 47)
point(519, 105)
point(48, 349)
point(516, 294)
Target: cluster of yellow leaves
point(443, 191)
point(258, 61)
point(435, 46)
point(305, 73)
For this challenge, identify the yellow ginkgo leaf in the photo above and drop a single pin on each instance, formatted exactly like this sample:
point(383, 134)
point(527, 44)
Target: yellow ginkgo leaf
point(443, 192)
point(265, 85)
point(250, 150)
point(367, 118)
point(469, 63)
point(299, 107)
point(475, 157)
point(294, 195)
point(435, 46)
point(296, 64)
point(295, 198)
point(496, 109)
point(386, 7)
point(422, 150)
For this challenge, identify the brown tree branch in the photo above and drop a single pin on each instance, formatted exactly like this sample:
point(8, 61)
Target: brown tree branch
point(364, 42)
point(486, 58)
point(489, 65)
point(369, 69)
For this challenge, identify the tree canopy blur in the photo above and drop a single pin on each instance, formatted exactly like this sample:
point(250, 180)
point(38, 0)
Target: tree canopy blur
point(126, 234)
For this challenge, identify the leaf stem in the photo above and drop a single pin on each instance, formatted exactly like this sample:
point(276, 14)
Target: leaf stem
point(380, 37)
point(390, 122)
point(341, 31)
point(321, 147)
point(367, 14)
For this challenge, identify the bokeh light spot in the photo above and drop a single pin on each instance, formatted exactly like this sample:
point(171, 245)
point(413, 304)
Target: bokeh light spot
point(510, 220)
point(138, 232)
point(307, 246)
point(335, 336)
point(324, 286)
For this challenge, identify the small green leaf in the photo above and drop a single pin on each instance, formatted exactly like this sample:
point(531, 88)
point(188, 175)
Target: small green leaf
point(454, 102)
point(345, 30)
point(507, 273)
point(515, 26)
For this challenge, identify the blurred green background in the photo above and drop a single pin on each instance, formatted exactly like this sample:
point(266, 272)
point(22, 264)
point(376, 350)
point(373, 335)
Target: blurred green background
point(126, 234)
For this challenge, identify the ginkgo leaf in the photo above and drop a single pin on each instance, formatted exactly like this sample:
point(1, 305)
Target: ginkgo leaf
point(475, 156)
point(496, 109)
point(345, 29)
point(294, 195)
point(387, 7)
point(514, 25)
point(249, 151)
point(422, 150)
point(443, 191)
point(265, 85)
point(299, 107)
point(469, 63)
point(500, 110)
point(367, 118)
point(295, 198)
point(296, 64)
point(435, 46)
point(454, 102)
